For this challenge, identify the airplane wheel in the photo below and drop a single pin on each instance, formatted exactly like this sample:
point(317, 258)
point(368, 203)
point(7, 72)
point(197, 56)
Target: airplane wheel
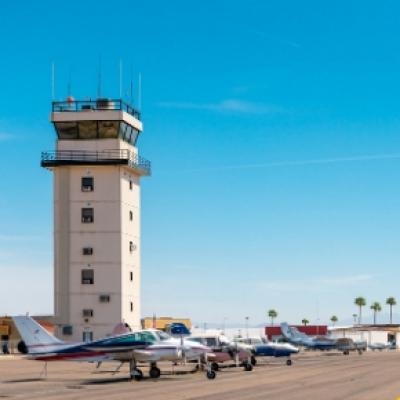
point(154, 372)
point(137, 374)
point(253, 361)
point(248, 367)
point(211, 374)
point(214, 366)
point(289, 362)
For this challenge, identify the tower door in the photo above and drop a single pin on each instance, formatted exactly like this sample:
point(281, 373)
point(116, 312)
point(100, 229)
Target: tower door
point(87, 336)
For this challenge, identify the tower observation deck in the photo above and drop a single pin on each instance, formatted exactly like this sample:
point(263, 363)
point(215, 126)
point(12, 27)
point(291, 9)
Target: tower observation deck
point(97, 171)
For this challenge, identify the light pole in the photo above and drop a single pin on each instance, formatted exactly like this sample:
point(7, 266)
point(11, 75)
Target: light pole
point(355, 318)
point(247, 327)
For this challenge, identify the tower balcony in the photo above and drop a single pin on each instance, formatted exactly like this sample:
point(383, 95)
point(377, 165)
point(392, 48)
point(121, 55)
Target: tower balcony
point(141, 166)
point(94, 105)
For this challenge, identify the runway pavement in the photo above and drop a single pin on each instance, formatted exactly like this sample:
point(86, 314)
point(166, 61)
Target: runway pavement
point(312, 376)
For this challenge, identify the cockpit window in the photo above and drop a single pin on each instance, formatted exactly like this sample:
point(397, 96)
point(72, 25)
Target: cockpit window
point(162, 335)
point(147, 337)
point(211, 342)
point(196, 339)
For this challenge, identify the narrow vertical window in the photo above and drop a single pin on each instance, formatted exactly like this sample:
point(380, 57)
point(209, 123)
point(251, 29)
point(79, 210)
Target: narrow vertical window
point(87, 215)
point(131, 276)
point(130, 215)
point(87, 277)
point(131, 306)
point(130, 185)
point(87, 184)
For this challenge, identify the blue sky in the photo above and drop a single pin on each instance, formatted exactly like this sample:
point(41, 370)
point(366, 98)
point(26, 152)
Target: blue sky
point(273, 128)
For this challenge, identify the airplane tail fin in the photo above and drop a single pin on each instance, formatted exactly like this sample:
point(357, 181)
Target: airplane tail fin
point(286, 330)
point(36, 338)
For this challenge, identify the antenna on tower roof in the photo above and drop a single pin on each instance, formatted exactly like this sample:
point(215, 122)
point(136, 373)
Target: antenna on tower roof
point(120, 78)
point(131, 86)
point(69, 86)
point(53, 73)
point(140, 92)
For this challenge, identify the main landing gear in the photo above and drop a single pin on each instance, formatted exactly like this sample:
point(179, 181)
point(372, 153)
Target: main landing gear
point(154, 371)
point(211, 368)
point(247, 366)
point(135, 372)
point(289, 362)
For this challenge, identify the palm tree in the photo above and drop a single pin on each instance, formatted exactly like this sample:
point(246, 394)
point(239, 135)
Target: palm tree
point(391, 301)
point(360, 302)
point(272, 314)
point(376, 307)
point(305, 321)
point(334, 319)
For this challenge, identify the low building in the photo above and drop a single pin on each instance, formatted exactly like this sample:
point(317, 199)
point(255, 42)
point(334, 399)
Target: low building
point(274, 332)
point(381, 333)
point(162, 322)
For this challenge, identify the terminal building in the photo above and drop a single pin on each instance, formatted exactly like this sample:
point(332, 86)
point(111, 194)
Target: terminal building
point(97, 172)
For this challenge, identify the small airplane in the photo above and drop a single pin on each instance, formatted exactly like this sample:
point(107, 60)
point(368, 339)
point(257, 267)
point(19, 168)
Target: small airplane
point(294, 336)
point(222, 350)
point(382, 346)
point(177, 329)
point(262, 348)
point(147, 346)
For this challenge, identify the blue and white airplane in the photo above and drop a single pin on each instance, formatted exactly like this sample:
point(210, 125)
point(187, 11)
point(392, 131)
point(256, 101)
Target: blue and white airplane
point(294, 336)
point(147, 346)
point(261, 348)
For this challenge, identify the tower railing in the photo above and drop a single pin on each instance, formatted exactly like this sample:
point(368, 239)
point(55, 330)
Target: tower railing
point(121, 156)
point(94, 105)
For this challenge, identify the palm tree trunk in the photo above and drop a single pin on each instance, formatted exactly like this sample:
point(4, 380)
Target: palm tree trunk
point(359, 316)
point(374, 317)
point(390, 314)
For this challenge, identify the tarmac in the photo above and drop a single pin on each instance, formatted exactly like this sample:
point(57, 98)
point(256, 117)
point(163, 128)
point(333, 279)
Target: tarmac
point(314, 375)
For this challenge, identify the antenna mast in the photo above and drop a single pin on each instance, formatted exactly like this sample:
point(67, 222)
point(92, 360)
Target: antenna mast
point(120, 79)
point(53, 90)
point(140, 92)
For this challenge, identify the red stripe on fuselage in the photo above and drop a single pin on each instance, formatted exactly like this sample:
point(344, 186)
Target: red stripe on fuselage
point(58, 357)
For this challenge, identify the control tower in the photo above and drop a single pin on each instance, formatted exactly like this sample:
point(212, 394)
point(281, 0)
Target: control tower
point(97, 171)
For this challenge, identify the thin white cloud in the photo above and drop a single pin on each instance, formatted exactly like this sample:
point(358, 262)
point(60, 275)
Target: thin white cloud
point(335, 160)
point(226, 106)
point(316, 284)
point(14, 238)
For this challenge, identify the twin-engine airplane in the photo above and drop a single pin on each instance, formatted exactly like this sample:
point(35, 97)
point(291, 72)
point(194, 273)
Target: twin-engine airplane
point(262, 348)
point(294, 336)
point(145, 346)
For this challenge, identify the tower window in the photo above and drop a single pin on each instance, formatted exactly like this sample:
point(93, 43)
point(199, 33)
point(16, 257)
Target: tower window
point(87, 251)
point(87, 184)
point(87, 277)
point(130, 215)
point(87, 336)
point(131, 306)
point(87, 312)
point(67, 330)
point(132, 247)
point(131, 276)
point(130, 185)
point(87, 215)
point(104, 298)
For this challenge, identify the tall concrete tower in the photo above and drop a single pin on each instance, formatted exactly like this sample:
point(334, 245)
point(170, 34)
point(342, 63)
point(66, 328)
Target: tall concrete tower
point(97, 173)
